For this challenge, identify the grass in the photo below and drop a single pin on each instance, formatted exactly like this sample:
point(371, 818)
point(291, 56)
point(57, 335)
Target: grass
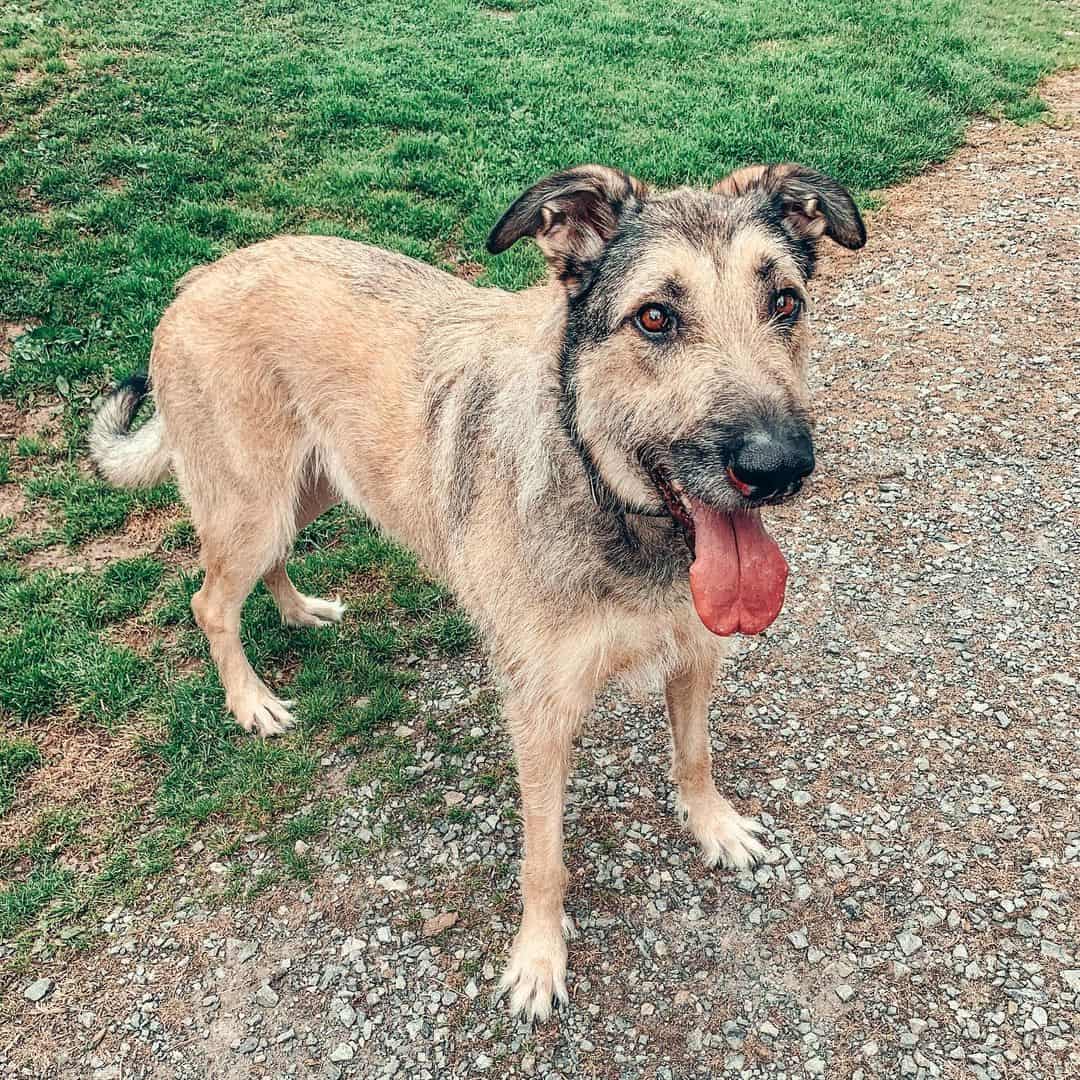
point(16, 758)
point(138, 139)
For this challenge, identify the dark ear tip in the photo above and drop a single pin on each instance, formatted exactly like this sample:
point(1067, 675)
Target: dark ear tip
point(857, 238)
point(852, 241)
point(497, 240)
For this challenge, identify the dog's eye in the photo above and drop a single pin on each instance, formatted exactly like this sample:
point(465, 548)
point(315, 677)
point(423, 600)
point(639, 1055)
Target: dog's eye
point(786, 305)
point(654, 319)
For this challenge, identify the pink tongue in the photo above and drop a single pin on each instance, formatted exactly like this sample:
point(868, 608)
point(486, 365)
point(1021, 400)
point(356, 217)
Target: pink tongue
point(738, 575)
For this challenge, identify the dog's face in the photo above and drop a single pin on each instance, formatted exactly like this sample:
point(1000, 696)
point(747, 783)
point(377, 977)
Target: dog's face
point(683, 367)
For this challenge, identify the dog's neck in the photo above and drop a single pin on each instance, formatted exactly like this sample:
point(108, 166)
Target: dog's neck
point(560, 478)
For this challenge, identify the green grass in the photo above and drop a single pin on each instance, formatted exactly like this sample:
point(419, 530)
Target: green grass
point(138, 139)
point(64, 661)
point(88, 506)
point(16, 758)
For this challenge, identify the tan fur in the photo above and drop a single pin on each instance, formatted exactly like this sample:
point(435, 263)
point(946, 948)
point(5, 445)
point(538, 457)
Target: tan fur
point(308, 370)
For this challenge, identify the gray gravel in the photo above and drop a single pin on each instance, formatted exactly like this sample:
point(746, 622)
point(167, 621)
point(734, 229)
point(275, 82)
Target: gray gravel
point(906, 733)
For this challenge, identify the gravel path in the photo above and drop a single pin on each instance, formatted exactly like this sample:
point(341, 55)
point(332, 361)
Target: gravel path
point(907, 733)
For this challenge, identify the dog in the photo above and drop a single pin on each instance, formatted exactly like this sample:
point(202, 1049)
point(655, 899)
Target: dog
point(583, 461)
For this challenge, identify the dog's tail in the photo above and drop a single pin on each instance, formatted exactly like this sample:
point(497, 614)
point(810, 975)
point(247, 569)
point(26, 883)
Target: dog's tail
point(131, 459)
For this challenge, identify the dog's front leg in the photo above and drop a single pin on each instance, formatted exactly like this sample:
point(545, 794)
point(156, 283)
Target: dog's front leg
point(536, 972)
point(724, 834)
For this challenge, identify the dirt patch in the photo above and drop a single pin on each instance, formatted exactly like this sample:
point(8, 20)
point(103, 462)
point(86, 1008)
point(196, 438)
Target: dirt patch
point(9, 331)
point(459, 264)
point(142, 637)
point(43, 422)
point(146, 529)
point(37, 203)
point(1062, 96)
point(12, 501)
point(101, 775)
point(31, 520)
point(143, 535)
point(10, 422)
point(469, 271)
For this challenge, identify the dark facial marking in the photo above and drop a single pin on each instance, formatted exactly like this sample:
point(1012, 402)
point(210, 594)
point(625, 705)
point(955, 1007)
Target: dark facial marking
point(580, 329)
point(802, 249)
point(767, 269)
point(590, 319)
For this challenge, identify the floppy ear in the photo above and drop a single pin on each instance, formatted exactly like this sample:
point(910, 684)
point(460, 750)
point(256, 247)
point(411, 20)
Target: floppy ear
point(812, 203)
point(571, 215)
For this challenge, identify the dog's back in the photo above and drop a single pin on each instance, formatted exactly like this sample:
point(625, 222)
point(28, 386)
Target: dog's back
point(280, 362)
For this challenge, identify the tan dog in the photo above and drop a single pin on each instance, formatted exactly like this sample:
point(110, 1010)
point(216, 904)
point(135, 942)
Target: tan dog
point(582, 461)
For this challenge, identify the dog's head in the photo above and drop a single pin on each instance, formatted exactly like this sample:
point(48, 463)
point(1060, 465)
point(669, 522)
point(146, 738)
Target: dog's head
point(683, 366)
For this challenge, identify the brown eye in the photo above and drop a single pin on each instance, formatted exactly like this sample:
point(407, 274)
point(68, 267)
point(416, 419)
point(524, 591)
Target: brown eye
point(786, 305)
point(654, 319)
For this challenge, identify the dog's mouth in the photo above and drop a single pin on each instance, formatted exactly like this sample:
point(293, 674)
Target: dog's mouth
point(739, 574)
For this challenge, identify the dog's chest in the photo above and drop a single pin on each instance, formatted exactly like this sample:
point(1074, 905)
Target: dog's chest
point(639, 647)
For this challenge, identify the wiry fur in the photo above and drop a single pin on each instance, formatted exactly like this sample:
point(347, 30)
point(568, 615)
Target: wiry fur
point(502, 437)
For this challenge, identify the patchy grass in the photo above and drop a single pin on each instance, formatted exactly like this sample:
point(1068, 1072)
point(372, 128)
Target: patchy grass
point(16, 758)
point(138, 139)
point(88, 506)
point(65, 667)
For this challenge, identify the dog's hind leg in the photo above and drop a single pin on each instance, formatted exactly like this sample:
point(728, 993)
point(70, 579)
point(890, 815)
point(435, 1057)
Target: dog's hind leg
point(240, 539)
point(217, 610)
point(536, 971)
point(724, 834)
point(296, 608)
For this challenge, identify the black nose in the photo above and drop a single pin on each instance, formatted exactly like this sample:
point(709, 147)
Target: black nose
point(766, 462)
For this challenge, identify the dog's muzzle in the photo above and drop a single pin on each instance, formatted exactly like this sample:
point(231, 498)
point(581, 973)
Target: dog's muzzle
point(763, 462)
point(769, 463)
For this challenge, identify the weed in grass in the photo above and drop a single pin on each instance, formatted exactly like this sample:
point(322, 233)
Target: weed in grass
point(29, 446)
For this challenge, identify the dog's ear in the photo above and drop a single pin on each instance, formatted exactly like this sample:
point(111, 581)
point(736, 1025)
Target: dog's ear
point(811, 203)
point(571, 215)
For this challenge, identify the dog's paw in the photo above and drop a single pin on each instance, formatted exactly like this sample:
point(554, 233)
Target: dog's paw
point(726, 837)
point(535, 974)
point(258, 711)
point(313, 611)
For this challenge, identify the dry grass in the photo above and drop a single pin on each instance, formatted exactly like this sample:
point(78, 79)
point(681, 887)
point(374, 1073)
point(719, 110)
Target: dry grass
point(98, 774)
point(142, 535)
